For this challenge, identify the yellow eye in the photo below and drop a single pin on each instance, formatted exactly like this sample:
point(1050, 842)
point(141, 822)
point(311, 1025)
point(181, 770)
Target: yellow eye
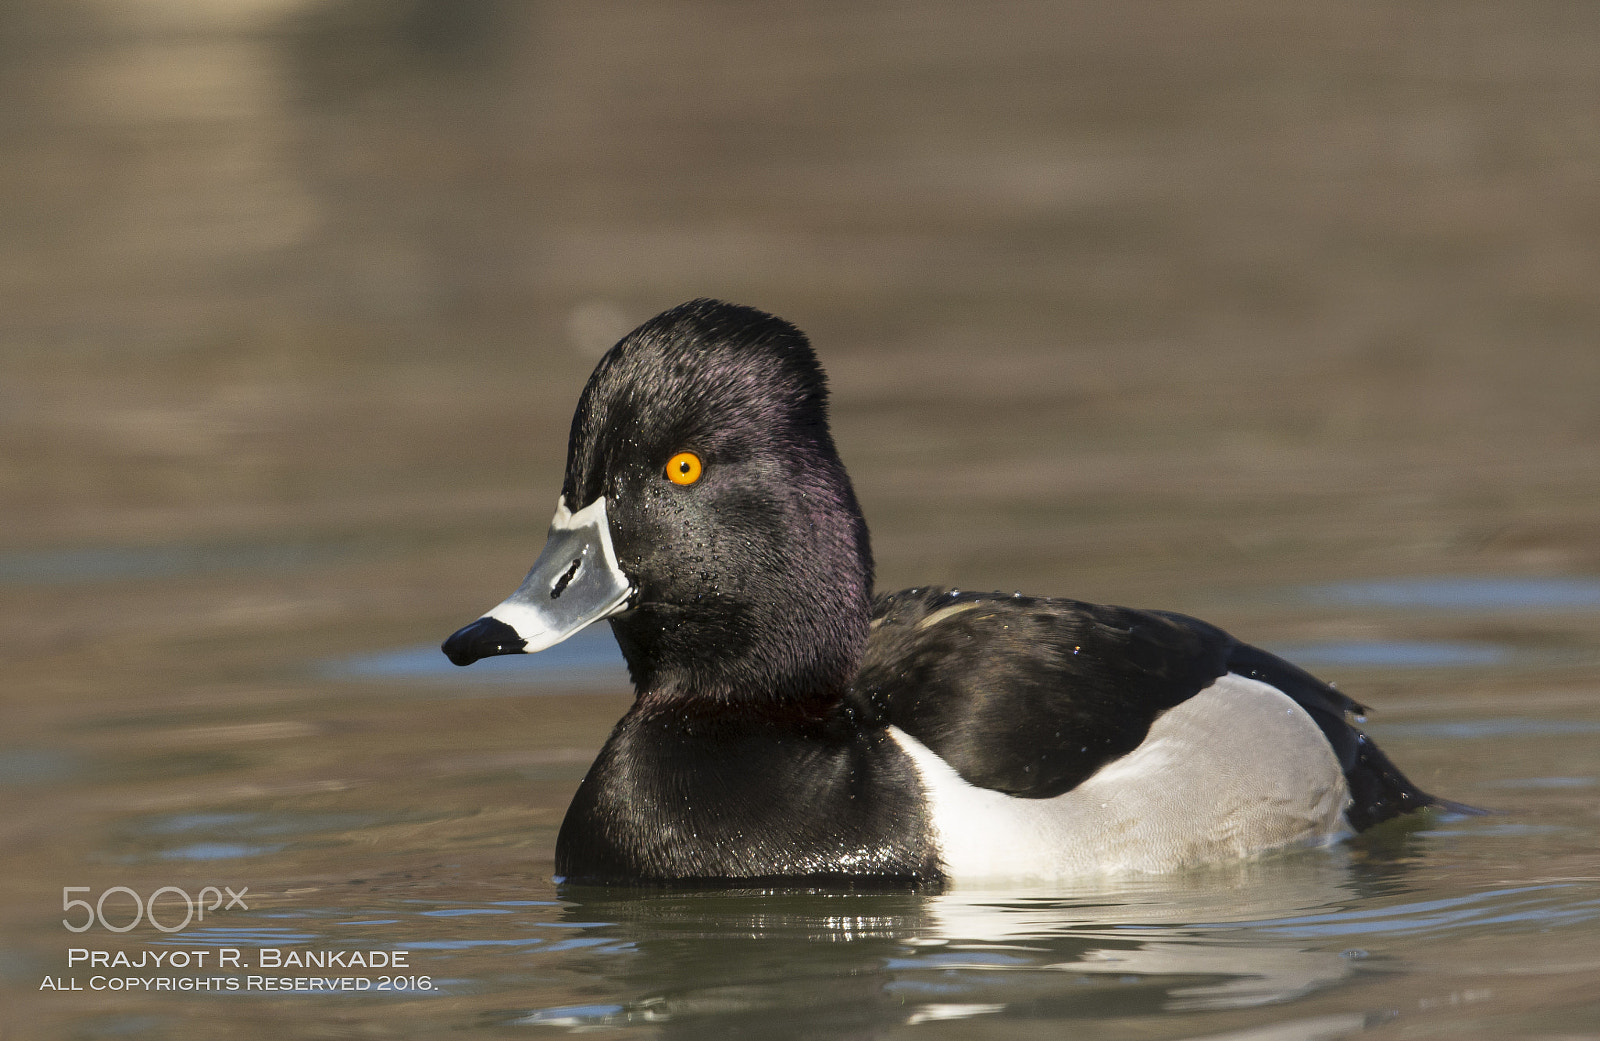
point(684, 468)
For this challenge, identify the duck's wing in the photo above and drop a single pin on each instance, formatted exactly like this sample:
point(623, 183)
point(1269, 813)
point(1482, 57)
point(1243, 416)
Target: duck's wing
point(1028, 695)
point(1032, 695)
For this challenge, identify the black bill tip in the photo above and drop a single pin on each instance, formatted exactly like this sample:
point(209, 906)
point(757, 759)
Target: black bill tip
point(484, 638)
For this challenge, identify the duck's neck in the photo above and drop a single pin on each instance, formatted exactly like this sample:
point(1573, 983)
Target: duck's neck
point(791, 631)
point(740, 654)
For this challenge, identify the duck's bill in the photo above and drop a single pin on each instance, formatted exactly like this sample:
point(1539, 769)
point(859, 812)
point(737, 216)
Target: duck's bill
point(575, 581)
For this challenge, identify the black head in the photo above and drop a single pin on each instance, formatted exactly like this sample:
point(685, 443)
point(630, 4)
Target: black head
point(752, 576)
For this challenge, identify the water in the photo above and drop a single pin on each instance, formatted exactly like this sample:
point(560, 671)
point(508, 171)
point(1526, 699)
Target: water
point(109, 563)
point(1394, 654)
point(588, 659)
point(1466, 593)
point(366, 816)
point(1275, 315)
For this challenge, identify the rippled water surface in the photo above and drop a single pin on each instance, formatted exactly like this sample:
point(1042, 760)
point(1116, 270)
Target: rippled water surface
point(1282, 315)
point(382, 805)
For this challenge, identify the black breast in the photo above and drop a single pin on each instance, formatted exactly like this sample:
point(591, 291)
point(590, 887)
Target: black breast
point(709, 795)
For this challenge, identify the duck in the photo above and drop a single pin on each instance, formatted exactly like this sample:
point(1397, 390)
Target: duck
point(790, 726)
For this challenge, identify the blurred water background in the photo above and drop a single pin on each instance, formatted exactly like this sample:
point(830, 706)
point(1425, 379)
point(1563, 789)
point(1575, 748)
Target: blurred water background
point(1282, 314)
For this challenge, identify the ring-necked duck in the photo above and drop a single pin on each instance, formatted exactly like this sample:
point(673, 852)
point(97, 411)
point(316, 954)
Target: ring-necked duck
point(789, 725)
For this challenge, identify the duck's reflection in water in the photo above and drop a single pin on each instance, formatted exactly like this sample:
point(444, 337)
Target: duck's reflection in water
point(776, 963)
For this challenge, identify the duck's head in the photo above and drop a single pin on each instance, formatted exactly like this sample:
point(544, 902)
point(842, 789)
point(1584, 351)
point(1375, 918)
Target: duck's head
point(705, 512)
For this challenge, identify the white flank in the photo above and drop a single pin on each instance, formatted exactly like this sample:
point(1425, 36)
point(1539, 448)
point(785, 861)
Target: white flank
point(1236, 770)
